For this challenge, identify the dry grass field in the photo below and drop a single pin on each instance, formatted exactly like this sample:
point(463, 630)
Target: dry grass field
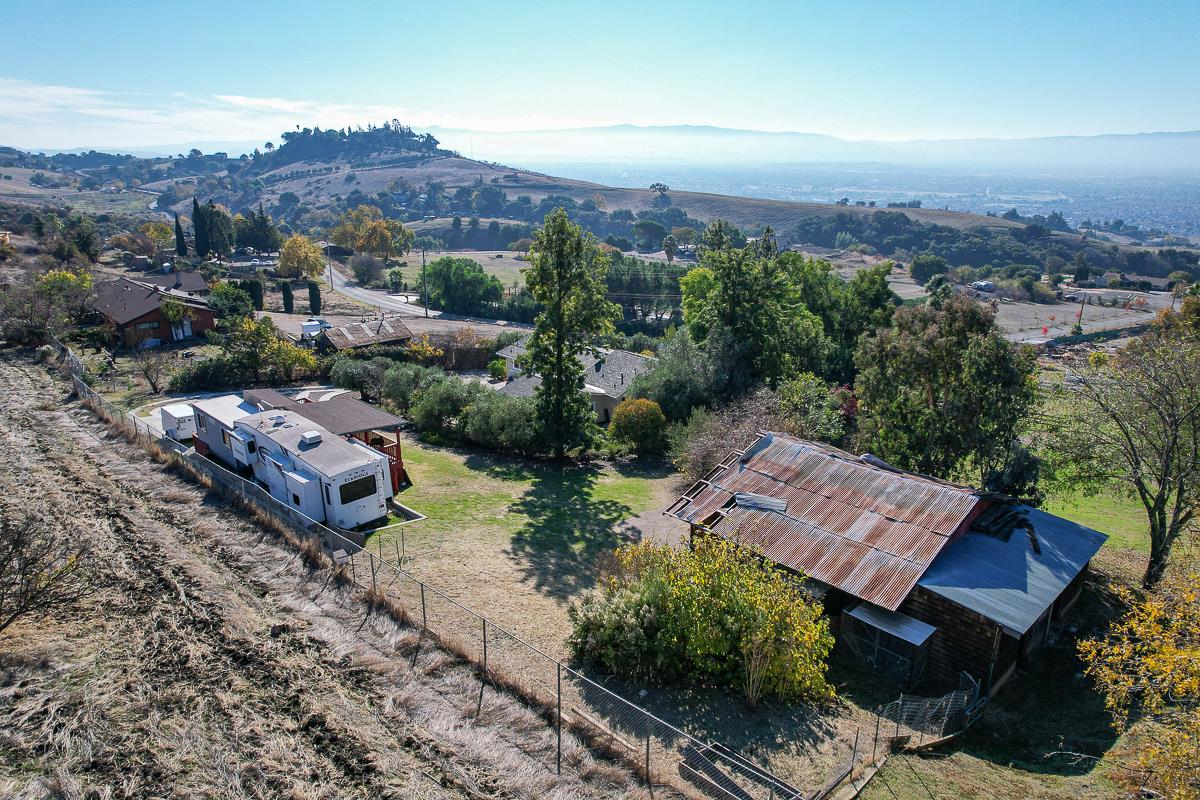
point(213, 660)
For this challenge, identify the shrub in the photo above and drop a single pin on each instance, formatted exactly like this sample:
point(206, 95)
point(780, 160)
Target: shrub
point(217, 372)
point(714, 613)
point(367, 270)
point(498, 369)
point(640, 424)
point(403, 382)
point(439, 407)
point(497, 421)
point(366, 377)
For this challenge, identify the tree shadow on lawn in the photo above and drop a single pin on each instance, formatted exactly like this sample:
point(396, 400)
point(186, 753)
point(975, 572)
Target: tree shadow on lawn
point(567, 531)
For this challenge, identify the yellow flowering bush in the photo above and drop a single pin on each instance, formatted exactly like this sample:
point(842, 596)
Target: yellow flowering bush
point(715, 613)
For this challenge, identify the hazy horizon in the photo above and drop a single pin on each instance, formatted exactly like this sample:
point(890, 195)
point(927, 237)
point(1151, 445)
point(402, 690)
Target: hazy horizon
point(924, 71)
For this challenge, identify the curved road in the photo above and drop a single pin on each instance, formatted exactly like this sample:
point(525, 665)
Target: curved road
point(373, 297)
point(388, 302)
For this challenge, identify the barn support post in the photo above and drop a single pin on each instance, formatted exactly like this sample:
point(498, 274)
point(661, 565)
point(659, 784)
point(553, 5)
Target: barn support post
point(995, 655)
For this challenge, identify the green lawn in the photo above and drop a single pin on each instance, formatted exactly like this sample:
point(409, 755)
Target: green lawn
point(1122, 518)
point(516, 540)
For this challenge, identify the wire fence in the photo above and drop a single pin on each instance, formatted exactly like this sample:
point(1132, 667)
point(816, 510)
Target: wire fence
point(665, 757)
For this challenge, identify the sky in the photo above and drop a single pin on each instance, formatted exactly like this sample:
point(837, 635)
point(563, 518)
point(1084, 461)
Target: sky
point(86, 74)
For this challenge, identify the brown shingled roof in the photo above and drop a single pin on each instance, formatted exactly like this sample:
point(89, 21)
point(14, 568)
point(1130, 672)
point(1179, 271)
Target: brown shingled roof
point(869, 531)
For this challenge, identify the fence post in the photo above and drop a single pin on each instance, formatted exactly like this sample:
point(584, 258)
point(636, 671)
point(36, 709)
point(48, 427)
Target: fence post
point(373, 590)
point(424, 620)
point(875, 741)
point(899, 713)
point(558, 719)
point(649, 782)
point(854, 753)
point(485, 645)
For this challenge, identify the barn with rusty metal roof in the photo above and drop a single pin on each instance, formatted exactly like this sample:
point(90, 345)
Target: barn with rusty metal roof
point(924, 578)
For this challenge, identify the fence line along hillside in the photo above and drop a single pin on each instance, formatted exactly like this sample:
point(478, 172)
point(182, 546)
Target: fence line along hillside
point(667, 758)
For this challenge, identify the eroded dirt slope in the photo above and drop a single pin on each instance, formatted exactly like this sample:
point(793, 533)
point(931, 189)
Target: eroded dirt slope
point(211, 662)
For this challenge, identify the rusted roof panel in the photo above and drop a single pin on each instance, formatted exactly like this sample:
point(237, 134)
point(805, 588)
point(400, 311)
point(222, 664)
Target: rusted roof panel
point(869, 531)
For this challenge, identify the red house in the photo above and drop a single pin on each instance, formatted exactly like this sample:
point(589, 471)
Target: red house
point(134, 309)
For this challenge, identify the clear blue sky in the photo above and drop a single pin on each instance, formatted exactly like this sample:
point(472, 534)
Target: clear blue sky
point(83, 73)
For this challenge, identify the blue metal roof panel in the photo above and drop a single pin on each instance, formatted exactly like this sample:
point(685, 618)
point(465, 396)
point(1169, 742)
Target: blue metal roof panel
point(1006, 581)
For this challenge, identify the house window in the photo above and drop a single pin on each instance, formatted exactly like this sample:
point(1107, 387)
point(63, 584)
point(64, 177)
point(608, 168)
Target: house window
point(295, 499)
point(202, 422)
point(357, 489)
point(147, 326)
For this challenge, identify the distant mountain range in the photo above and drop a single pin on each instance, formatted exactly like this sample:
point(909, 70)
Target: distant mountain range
point(681, 144)
point(714, 146)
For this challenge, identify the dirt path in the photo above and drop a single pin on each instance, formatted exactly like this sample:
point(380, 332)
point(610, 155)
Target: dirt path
point(212, 662)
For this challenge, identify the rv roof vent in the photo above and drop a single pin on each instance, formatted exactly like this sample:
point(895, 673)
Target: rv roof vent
point(277, 418)
point(310, 438)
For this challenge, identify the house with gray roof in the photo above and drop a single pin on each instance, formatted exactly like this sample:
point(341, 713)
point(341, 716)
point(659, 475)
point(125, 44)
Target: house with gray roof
point(607, 376)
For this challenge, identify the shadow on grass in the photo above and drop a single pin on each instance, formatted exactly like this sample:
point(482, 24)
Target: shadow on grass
point(1046, 715)
point(568, 529)
point(713, 713)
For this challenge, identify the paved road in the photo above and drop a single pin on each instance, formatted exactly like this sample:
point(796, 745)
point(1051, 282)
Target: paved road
point(395, 303)
point(377, 298)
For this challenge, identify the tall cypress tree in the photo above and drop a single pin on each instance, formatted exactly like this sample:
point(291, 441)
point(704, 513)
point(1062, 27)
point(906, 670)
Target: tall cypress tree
point(180, 241)
point(289, 299)
point(314, 298)
point(566, 275)
point(200, 226)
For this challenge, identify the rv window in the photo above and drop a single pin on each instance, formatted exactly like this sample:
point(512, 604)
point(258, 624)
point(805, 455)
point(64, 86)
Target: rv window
point(357, 489)
point(251, 446)
point(295, 499)
point(225, 438)
point(200, 421)
point(327, 499)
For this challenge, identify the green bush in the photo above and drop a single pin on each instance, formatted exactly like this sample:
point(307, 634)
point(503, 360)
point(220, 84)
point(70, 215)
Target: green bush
point(640, 424)
point(715, 613)
point(216, 372)
point(498, 369)
point(439, 407)
point(497, 421)
point(402, 383)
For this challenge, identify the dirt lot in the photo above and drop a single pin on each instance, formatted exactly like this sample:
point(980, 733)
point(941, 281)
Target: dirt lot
point(211, 662)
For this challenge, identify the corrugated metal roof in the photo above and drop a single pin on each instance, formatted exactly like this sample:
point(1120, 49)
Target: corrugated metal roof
point(1008, 582)
point(900, 625)
point(869, 531)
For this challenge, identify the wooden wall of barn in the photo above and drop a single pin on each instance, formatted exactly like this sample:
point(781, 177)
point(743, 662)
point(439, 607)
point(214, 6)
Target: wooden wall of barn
point(964, 641)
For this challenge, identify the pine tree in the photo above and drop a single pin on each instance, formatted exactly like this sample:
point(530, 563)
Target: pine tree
point(180, 241)
point(566, 275)
point(200, 228)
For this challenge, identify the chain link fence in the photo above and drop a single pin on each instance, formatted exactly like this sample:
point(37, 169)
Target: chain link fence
point(669, 760)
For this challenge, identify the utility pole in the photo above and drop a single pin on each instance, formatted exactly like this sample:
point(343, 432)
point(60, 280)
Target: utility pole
point(424, 285)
